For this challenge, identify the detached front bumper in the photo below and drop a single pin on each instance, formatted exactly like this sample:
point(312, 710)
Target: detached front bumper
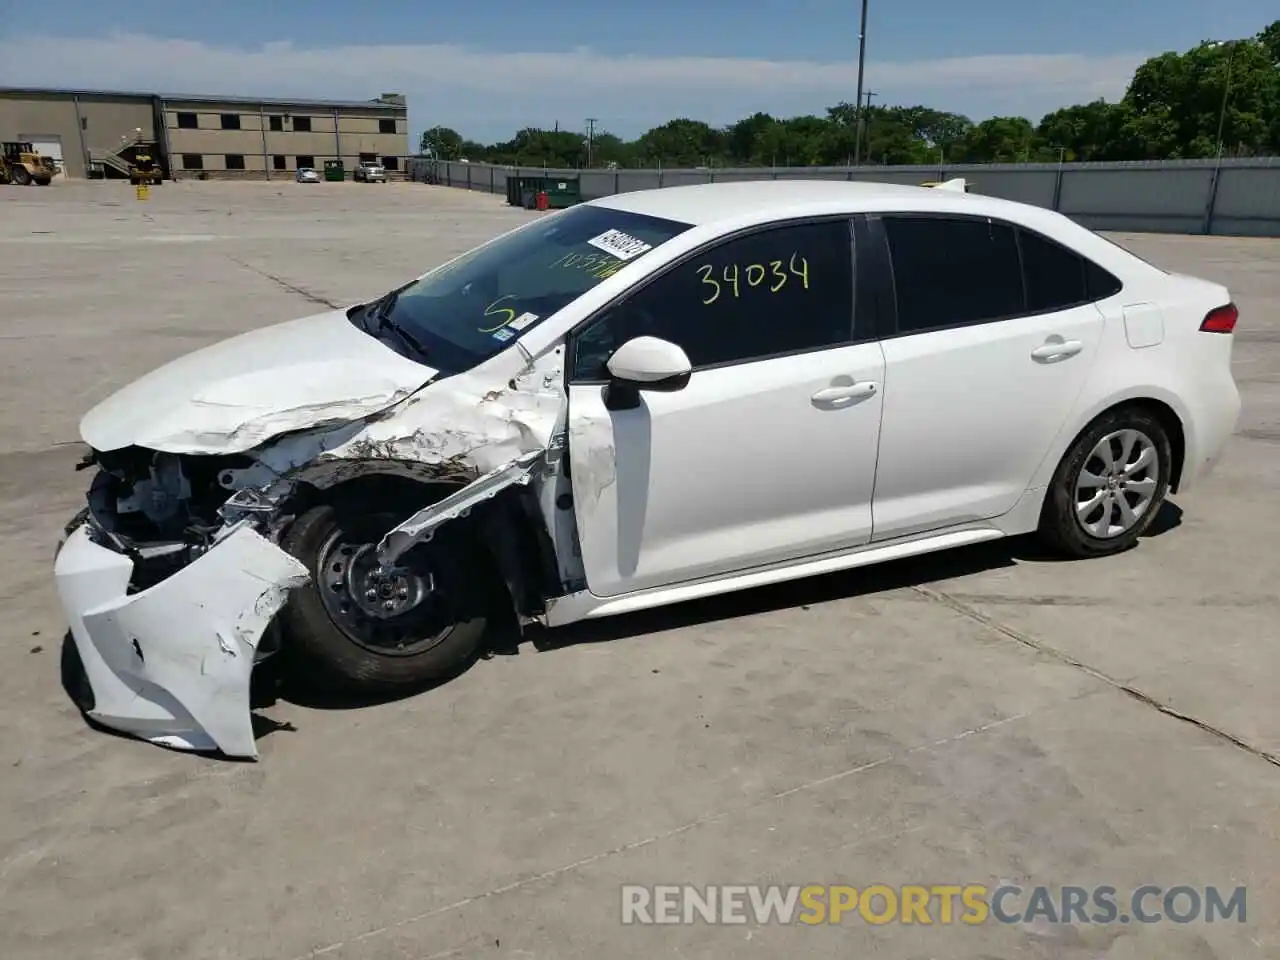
point(171, 663)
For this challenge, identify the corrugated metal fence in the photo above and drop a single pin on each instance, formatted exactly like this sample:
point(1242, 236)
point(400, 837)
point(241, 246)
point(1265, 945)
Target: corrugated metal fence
point(1228, 197)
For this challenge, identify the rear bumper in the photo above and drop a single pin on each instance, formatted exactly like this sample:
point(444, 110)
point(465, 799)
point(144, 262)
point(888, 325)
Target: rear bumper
point(1214, 421)
point(171, 664)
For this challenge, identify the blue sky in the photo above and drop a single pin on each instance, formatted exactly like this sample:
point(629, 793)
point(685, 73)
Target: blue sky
point(491, 66)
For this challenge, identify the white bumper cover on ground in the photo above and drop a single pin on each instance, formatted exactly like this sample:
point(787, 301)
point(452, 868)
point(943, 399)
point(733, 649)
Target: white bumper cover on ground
point(171, 664)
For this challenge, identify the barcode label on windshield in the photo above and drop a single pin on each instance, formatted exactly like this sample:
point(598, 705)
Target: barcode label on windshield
point(619, 244)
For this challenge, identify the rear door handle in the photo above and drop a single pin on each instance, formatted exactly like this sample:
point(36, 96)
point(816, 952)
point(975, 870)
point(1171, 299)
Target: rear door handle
point(845, 395)
point(1052, 350)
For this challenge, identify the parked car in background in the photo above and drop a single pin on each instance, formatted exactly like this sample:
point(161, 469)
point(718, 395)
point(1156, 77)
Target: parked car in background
point(370, 172)
point(644, 399)
point(308, 175)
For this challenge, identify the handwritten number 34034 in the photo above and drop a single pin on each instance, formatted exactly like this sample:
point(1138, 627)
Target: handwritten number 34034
point(752, 275)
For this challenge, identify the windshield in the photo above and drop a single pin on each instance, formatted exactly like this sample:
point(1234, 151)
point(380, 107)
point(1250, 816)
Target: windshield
point(469, 310)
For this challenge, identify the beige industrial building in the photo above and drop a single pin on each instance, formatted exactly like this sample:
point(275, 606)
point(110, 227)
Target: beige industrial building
point(92, 132)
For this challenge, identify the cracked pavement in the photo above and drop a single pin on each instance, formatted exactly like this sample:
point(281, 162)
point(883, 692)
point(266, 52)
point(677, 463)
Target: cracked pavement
point(977, 716)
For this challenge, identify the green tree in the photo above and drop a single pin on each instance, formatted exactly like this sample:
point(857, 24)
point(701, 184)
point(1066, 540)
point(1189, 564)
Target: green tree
point(804, 141)
point(1177, 100)
point(941, 132)
point(682, 142)
point(534, 146)
point(1172, 108)
point(1000, 140)
point(747, 140)
point(891, 139)
point(1089, 131)
point(607, 148)
point(441, 143)
point(1269, 37)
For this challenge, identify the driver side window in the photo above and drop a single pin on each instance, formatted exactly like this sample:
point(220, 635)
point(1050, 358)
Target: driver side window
point(776, 291)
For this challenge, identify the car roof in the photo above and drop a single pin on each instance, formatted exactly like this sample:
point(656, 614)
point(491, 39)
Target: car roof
point(707, 203)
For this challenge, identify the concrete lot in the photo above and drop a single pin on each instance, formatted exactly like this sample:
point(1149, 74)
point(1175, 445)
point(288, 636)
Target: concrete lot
point(978, 717)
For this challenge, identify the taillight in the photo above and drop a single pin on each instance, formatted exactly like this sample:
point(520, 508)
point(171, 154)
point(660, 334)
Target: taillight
point(1221, 319)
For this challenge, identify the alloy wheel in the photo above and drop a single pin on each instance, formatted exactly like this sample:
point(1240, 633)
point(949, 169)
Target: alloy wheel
point(1117, 484)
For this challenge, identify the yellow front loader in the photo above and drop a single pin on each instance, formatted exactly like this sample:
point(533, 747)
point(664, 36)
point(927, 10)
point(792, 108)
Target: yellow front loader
point(20, 164)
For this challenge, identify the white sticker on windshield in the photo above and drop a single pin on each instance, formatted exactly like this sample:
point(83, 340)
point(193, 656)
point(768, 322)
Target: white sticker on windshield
point(621, 245)
point(522, 321)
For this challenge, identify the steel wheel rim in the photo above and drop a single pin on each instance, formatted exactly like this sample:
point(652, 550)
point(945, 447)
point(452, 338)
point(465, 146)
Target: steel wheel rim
point(1117, 484)
point(399, 613)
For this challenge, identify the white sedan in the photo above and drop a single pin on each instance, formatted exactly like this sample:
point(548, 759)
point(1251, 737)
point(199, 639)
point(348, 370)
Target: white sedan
point(636, 401)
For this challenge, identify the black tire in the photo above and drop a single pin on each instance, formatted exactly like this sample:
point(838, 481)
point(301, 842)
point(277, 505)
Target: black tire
point(21, 177)
point(330, 652)
point(1060, 525)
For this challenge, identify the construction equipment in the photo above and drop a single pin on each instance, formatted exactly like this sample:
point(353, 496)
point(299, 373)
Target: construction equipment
point(20, 164)
point(143, 169)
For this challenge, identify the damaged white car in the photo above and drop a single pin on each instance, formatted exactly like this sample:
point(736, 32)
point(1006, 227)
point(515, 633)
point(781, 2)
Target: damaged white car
point(644, 399)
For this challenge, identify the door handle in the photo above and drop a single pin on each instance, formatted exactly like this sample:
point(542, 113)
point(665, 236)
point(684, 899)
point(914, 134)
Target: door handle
point(845, 395)
point(1056, 349)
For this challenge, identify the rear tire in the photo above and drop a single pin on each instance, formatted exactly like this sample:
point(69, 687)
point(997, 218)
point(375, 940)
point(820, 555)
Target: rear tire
point(21, 177)
point(1109, 486)
point(342, 626)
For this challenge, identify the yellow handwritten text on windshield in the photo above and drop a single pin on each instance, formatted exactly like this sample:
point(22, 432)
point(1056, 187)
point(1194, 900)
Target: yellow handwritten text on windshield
point(494, 310)
point(774, 277)
point(598, 265)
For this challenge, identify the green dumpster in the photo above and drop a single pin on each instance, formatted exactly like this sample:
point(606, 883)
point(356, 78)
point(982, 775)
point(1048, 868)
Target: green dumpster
point(513, 190)
point(522, 190)
point(334, 171)
point(562, 193)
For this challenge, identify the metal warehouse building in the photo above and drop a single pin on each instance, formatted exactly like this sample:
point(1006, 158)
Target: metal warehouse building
point(92, 132)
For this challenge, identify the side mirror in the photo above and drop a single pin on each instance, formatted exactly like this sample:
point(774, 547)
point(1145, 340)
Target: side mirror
point(645, 363)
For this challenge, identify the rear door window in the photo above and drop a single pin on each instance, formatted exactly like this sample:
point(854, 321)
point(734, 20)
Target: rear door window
point(953, 271)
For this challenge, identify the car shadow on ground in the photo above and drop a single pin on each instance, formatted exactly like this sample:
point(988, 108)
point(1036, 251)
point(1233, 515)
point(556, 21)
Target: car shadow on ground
point(843, 585)
point(275, 679)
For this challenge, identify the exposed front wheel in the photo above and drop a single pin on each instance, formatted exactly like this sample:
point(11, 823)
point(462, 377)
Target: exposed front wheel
point(372, 629)
point(1109, 485)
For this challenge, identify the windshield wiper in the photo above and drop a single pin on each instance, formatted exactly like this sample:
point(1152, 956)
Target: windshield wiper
point(380, 311)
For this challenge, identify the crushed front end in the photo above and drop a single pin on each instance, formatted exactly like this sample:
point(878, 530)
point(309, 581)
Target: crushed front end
point(170, 605)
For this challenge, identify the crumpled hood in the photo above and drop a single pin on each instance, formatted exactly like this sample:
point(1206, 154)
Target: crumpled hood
point(232, 396)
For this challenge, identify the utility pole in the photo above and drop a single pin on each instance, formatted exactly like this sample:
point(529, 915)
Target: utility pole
point(857, 104)
point(862, 125)
point(591, 137)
